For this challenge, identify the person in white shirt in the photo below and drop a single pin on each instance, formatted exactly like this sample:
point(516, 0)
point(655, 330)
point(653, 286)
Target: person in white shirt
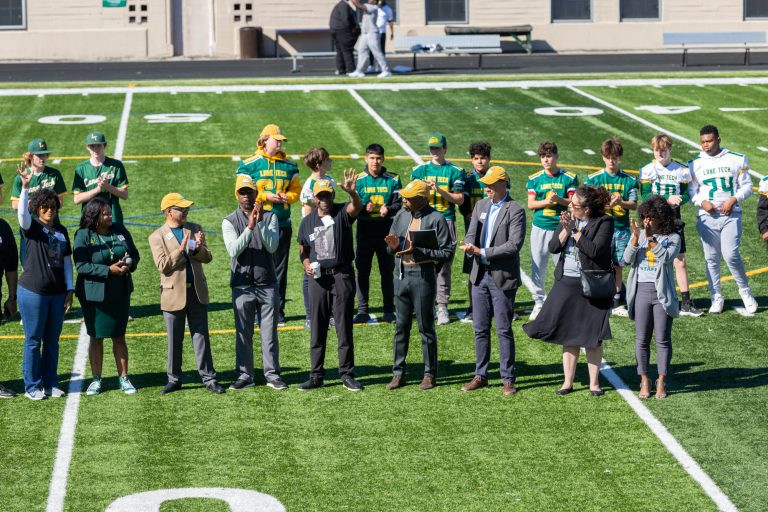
point(720, 183)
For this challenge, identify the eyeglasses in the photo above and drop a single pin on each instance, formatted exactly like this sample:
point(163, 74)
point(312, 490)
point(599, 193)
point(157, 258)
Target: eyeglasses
point(576, 206)
point(179, 209)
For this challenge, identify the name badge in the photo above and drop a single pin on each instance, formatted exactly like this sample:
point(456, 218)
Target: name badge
point(312, 237)
point(169, 236)
point(483, 215)
point(327, 221)
point(121, 238)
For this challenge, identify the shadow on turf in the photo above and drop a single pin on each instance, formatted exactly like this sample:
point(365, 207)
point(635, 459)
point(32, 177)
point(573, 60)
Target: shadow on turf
point(685, 378)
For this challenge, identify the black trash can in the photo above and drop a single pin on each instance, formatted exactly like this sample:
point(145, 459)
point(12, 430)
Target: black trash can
point(250, 42)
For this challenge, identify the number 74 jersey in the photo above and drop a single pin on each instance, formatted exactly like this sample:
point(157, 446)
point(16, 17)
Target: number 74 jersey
point(718, 178)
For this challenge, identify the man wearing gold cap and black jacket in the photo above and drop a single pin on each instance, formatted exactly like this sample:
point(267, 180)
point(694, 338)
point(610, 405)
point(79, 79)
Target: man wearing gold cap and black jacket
point(416, 267)
point(277, 182)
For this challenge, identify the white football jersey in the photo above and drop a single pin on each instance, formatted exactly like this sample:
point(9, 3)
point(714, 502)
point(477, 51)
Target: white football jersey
point(665, 181)
point(718, 178)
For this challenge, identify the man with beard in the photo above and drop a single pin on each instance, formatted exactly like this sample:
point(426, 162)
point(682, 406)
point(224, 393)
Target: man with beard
point(325, 237)
point(416, 284)
point(251, 236)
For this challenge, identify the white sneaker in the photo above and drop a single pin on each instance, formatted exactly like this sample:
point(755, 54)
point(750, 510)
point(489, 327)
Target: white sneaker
point(535, 312)
point(384, 74)
point(717, 304)
point(443, 318)
point(35, 395)
point(749, 301)
point(54, 392)
point(620, 311)
point(356, 74)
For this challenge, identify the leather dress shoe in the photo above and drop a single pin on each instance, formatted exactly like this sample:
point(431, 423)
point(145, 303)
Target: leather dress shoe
point(214, 387)
point(171, 387)
point(476, 383)
point(509, 388)
point(397, 381)
point(428, 382)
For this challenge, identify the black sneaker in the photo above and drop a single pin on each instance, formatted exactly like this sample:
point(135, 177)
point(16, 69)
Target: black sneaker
point(350, 383)
point(277, 384)
point(214, 387)
point(388, 318)
point(312, 383)
point(171, 387)
point(361, 318)
point(688, 309)
point(241, 384)
point(6, 393)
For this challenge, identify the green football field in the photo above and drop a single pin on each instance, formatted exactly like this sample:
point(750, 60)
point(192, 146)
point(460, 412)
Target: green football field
point(704, 448)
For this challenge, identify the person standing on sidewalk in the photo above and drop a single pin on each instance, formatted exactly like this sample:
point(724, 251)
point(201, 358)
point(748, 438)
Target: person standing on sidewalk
point(369, 42)
point(344, 34)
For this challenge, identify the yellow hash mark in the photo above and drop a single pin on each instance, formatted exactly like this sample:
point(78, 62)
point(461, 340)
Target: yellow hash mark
point(729, 278)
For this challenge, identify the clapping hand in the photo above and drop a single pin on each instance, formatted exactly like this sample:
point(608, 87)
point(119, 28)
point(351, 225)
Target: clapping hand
point(184, 242)
point(567, 221)
point(469, 248)
point(634, 228)
point(350, 177)
point(369, 207)
point(199, 240)
point(615, 198)
point(393, 241)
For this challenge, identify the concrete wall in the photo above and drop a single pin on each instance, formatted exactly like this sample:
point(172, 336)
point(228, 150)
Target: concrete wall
point(83, 30)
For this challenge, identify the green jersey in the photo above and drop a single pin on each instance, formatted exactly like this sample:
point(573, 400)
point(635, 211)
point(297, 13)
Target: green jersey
point(620, 182)
point(86, 176)
point(540, 185)
point(274, 175)
point(447, 177)
point(49, 178)
point(380, 191)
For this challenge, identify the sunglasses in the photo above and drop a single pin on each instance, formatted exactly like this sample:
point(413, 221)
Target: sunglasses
point(179, 209)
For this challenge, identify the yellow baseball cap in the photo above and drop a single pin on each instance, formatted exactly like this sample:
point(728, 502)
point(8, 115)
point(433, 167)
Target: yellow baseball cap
point(273, 131)
point(244, 181)
point(322, 186)
point(494, 174)
point(174, 199)
point(415, 188)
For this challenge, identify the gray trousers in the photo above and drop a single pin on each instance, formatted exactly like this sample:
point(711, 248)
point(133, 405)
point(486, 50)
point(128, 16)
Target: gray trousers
point(540, 255)
point(721, 236)
point(415, 292)
point(488, 301)
point(369, 44)
point(444, 276)
point(246, 302)
point(650, 318)
point(196, 315)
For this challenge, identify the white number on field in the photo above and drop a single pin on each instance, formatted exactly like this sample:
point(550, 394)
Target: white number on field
point(151, 118)
point(568, 111)
point(239, 500)
point(665, 111)
point(177, 118)
point(73, 119)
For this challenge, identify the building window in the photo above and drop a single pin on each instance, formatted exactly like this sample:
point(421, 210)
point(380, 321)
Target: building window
point(755, 9)
point(571, 10)
point(640, 10)
point(446, 11)
point(12, 14)
point(395, 6)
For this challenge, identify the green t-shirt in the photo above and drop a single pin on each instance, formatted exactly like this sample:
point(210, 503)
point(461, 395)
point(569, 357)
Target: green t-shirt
point(622, 183)
point(447, 177)
point(50, 178)
point(379, 191)
point(540, 184)
point(86, 176)
point(274, 176)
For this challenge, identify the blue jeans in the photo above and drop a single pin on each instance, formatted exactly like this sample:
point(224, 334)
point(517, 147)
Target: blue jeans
point(43, 317)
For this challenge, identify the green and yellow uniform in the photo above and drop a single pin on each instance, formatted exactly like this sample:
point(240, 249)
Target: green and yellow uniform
point(541, 185)
point(49, 178)
point(473, 192)
point(671, 180)
point(620, 182)
point(380, 190)
point(274, 175)
point(447, 177)
point(86, 176)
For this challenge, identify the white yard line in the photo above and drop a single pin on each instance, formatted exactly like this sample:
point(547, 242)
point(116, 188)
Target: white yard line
point(57, 491)
point(668, 440)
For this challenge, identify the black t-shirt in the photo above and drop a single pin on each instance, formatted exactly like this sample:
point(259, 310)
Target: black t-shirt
point(329, 238)
point(9, 254)
point(44, 260)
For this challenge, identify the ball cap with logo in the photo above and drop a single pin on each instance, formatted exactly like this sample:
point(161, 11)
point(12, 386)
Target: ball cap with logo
point(174, 199)
point(437, 140)
point(38, 147)
point(494, 174)
point(244, 181)
point(273, 131)
point(414, 189)
point(322, 186)
point(95, 138)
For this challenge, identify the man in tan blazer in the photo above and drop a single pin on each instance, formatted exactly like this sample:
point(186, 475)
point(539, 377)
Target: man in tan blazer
point(179, 251)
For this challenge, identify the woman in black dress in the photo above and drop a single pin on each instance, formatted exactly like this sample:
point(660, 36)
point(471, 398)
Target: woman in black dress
point(568, 318)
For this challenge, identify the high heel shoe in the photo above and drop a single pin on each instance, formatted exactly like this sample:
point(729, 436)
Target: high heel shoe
point(661, 390)
point(645, 390)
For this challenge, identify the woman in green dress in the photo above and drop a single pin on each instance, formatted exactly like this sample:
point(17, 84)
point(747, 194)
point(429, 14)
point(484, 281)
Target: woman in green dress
point(105, 256)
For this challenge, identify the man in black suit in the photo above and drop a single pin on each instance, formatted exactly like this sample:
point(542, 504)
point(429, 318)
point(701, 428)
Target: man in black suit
point(494, 239)
point(344, 33)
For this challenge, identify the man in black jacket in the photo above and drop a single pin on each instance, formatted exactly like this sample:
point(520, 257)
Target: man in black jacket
point(416, 284)
point(344, 33)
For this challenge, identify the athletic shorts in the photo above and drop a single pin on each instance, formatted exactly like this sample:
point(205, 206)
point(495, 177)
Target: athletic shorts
point(619, 243)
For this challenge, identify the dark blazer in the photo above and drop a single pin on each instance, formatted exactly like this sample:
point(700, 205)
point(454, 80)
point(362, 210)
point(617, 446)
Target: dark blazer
point(343, 19)
point(430, 219)
point(506, 241)
point(594, 246)
point(92, 269)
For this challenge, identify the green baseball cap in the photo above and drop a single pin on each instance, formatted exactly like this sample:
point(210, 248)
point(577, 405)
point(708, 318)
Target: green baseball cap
point(38, 147)
point(95, 138)
point(437, 140)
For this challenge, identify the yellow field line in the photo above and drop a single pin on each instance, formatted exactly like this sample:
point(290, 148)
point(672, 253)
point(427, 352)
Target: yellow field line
point(730, 278)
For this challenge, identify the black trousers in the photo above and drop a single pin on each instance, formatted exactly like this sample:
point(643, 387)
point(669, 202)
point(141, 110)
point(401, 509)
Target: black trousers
point(344, 42)
point(280, 258)
point(416, 291)
point(332, 295)
point(370, 243)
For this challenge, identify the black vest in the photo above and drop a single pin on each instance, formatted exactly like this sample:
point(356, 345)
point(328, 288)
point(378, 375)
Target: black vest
point(254, 266)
